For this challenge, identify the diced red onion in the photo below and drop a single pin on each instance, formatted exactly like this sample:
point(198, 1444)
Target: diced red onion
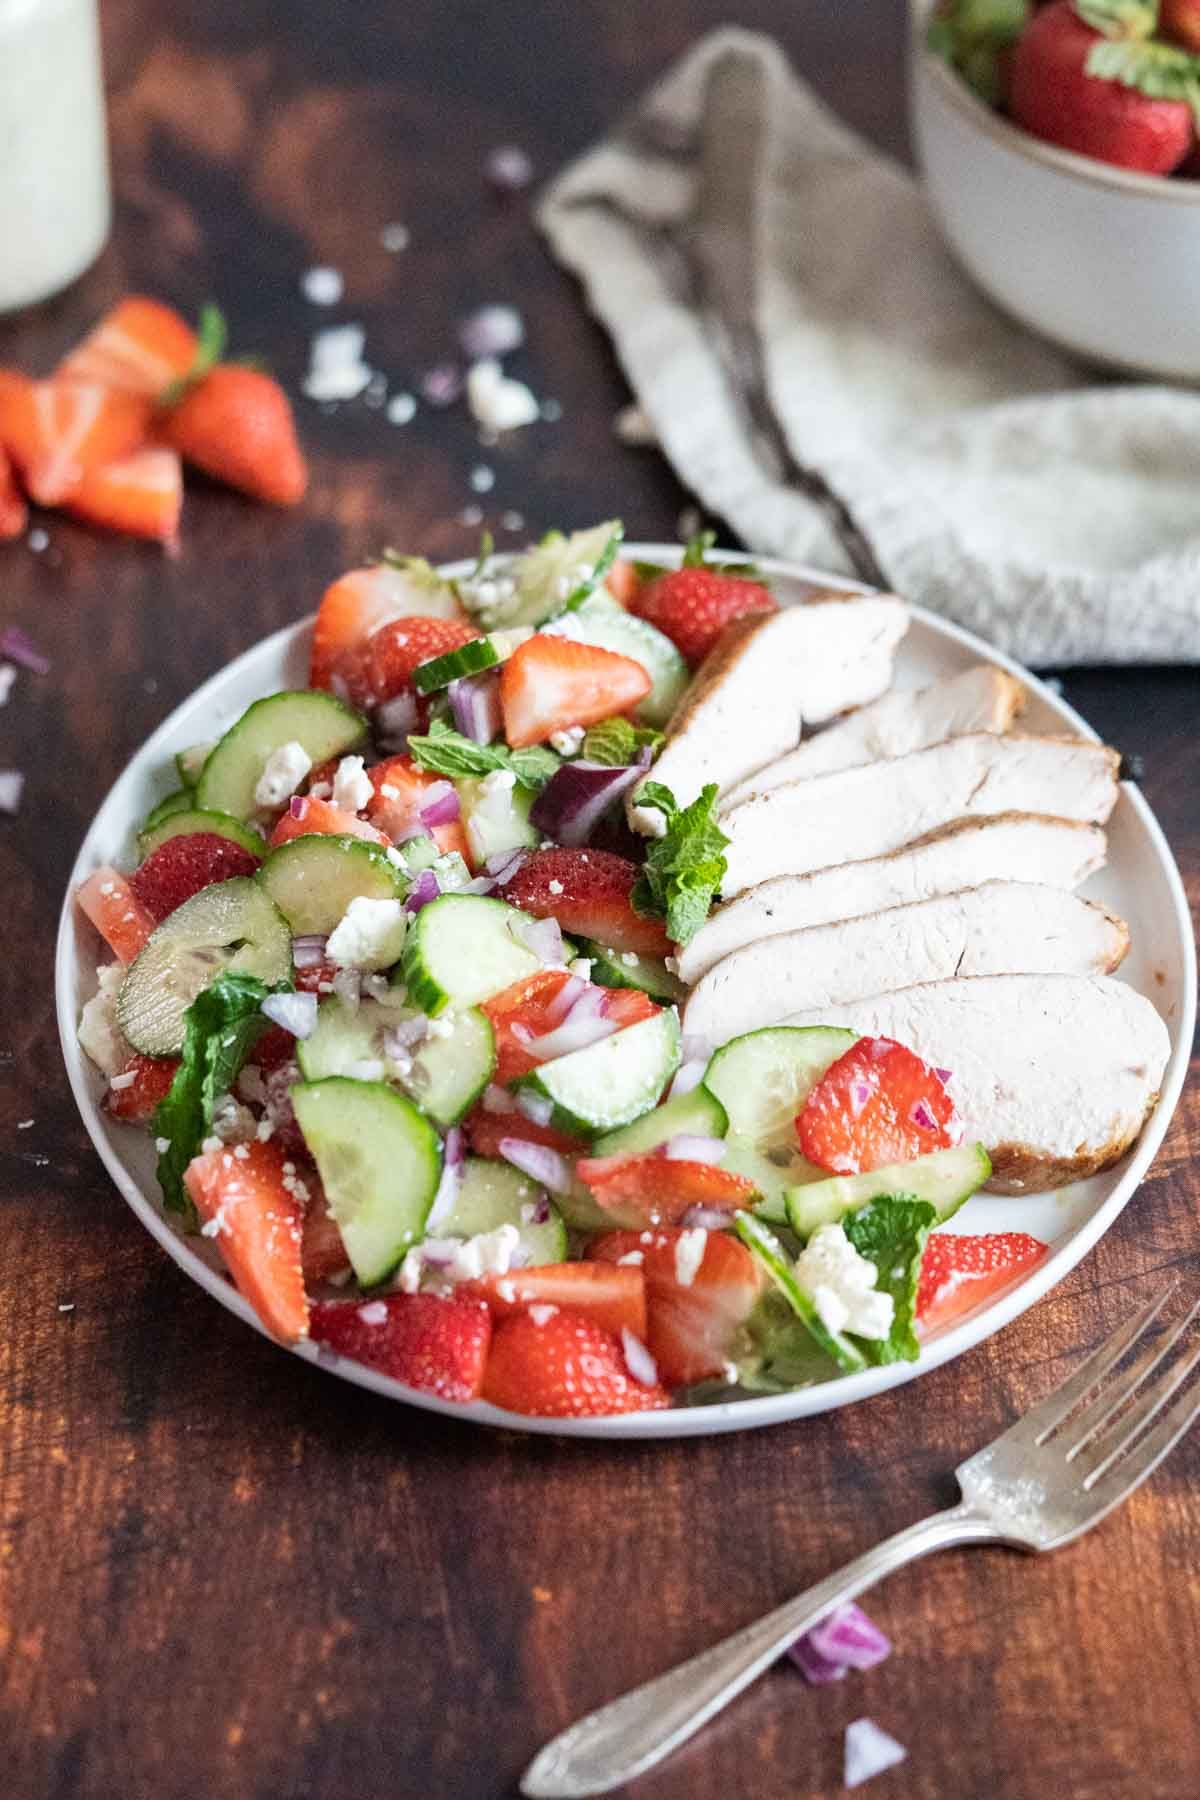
point(869, 1751)
point(921, 1115)
point(539, 1211)
point(456, 1146)
point(688, 1076)
point(442, 385)
point(706, 1218)
point(424, 889)
point(482, 884)
point(308, 950)
point(508, 168)
point(638, 1360)
point(298, 806)
point(539, 1108)
point(397, 717)
point(297, 1013)
point(687, 1146)
point(475, 706)
point(497, 1099)
point(541, 937)
point(586, 1023)
point(17, 647)
point(845, 1639)
point(860, 1095)
point(504, 866)
point(442, 806)
point(944, 1075)
point(547, 1167)
point(576, 797)
point(491, 331)
point(447, 1189)
point(557, 1009)
point(399, 1039)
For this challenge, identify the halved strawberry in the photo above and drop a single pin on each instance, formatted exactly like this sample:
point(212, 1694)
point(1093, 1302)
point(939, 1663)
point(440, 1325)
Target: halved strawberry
point(56, 431)
point(549, 683)
point(958, 1273)
point(116, 912)
point(692, 606)
point(877, 1104)
point(182, 866)
point(322, 1251)
point(307, 817)
point(437, 1345)
point(135, 1101)
point(485, 1129)
point(141, 347)
point(401, 790)
point(610, 1297)
point(351, 609)
point(259, 1230)
point(534, 1006)
point(658, 1189)
point(559, 1365)
point(588, 892)
point(401, 645)
point(140, 495)
point(700, 1287)
point(14, 514)
point(236, 424)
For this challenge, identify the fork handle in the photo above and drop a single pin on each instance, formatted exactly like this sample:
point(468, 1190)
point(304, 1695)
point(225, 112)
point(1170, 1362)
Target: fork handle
point(628, 1736)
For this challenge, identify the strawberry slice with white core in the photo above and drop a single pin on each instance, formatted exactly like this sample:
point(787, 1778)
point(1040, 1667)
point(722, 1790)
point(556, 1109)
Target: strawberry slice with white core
point(701, 1286)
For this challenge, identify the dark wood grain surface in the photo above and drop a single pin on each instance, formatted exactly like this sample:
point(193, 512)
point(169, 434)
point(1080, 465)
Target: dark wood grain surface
point(222, 1573)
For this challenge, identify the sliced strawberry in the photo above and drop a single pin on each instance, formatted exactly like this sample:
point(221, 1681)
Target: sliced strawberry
point(623, 581)
point(259, 1230)
point(1180, 21)
point(140, 495)
point(549, 683)
point(692, 606)
point(534, 1006)
point(182, 866)
point(437, 1345)
point(322, 1252)
point(307, 817)
point(116, 912)
point(700, 1288)
point(589, 893)
point(612, 1298)
point(486, 1129)
point(141, 347)
point(660, 1190)
point(351, 609)
point(276, 1046)
point(57, 431)
point(877, 1104)
point(960, 1273)
point(135, 1101)
point(559, 1365)
point(236, 424)
point(315, 978)
point(14, 514)
point(401, 645)
point(401, 790)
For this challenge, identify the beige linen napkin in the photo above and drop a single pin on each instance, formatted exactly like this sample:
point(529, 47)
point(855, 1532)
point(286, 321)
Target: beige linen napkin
point(822, 376)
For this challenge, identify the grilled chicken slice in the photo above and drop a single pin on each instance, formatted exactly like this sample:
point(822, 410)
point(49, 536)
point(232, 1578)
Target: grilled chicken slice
point(1060, 853)
point(871, 811)
point(982, 698)
point(1055, 1074)
point(1001, 928)
point(767, 675)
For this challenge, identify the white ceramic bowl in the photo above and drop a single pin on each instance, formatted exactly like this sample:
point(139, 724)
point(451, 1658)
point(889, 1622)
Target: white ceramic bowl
point(1103, 261)
point(1140, 882)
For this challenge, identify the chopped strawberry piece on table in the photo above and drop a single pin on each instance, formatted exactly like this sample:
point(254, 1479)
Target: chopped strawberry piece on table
point(140, 495)
point(958, 1272)
point(309, 817)
point(182, 866)
point(236, 424)
point(701, 1286)
point(116, 912)
point(322, 1252)
point(401, 645)
point(259, 1230)
point(439, 1345)
point(401, 790)
point(485, 1130)
point(141, 347)
point(557, 1364)
point(550, 683)
point(56, 431)
point(612, 1298)
point(135, 1101)
point(660, 1190)
point(14, 513)
point(351, 609)
point(589, 893)
point(877, 1104)
point(692, 606)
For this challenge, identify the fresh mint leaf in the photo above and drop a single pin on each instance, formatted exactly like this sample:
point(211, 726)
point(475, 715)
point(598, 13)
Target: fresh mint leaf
point(684, 869)
point(221, 1026)
point(891, 1232)
point(445, 751)
point(1120, 18)
point(615, 742)
point(1160, 71)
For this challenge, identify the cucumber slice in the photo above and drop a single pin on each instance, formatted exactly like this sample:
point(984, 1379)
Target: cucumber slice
point(380, 1162)
point(191, 761)
point(624, 969)
point(232, 925)
point(449, 1073)
point(698, 1113)
point(325, 726)
point(554, 577)
point(613, 1082)
point(764, 1078)
point(770, 1255)
point(312, 880)
point(461, 950)
point(944, 1177)
point(600, 621)
point(183, 821)
point(469, 659)
point(344, 1037)
point(445, 1075)
point(182, 800)
point(491, 1194)
point(774, 1173)
point(496, 820)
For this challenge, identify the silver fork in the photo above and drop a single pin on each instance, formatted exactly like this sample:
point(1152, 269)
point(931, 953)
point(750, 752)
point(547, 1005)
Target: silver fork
point(1047, 1480)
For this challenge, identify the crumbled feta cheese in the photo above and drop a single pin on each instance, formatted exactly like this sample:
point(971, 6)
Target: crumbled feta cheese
point(690, 1246)
point(100, 1037)
point(12, 782)
point(841, 1285)
point(336, 370)
point(8, 675)
point(120, 1082)
point(216, 1225)
point(482, 479)
point(162, 1145)
point(352, 788)
point(233, 1123)
point(629, 958)
point(496, 400)
point(369, 936)
point(441, 1027)
point(582, 966)
point(556, 887)
point(373, 1313)
point(283, 771)
point(210, 1144)
point(461, 1259)
point(322, 286)
point(401, 409)
point(635, 1257)
point(568, 740)
point(394, 238)
point(38, 540)
point(499, 781)
point(542, 1314)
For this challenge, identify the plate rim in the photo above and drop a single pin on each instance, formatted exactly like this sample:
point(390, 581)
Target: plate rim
point(697, 1421)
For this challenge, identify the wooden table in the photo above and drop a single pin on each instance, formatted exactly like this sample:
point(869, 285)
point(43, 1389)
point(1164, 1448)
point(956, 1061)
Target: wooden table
point(223, 1574)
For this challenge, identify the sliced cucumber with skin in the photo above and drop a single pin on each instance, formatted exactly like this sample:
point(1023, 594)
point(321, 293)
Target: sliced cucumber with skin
point(312, 880)
point(445, 1075)
point(182, 800)
point(770, 1255)
point(469, 659)
point(491, 1194)
point(600, 621)
point(555, 576)
point(185, 821)
point(611, 1083)
point(699, 1114)
point(624, 969)
point(230, 926)
point(191, 761)
point(322, 723)
point(380, 1162)
point(945, 1178)
point(774, 1173)
point(763, 1078)
point(496, 820)
point(461, 950)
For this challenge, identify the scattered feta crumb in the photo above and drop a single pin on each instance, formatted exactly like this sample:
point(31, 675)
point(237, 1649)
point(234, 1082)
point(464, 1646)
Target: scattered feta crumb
point(671, 963)
point(162, 1145)
point(568, 740)
point(8, 675)
point(210, 1144)
point(283, 771)
point(633, 427)
point(556, 887)
point(442, 385)
point(629, 958)
point(373, 1313)
point(513, 520)
point(66, 1306)
point(352, 789)
point(401, 409)
point(38, 540)
point(634, 1257)
point(731, 1373)
point(11, 783)
point(366, 1068)
point(869, 1751)
point(24, 1124)
point(482, 479)
point(508, 167)
point(461, 1259)
point(120, 1082)
point(395, 237)
point(496, 400)
point(216, 1225)
point(582, 966)
point(471, 516)
point(690, 1246)
point(551, 411)
point(322, 286)
point(492, 331)
point(100, 1036)
point(266, 1131)
point(370, 935)
point(336, 370)
point(542, 1314)
point(841, 1285)
point(441, 1027)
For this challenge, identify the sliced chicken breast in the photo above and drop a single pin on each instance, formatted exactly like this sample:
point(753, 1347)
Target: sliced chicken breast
point(858, 813)
point(980, 699)
point(1001, 928)
point(767, 675)
point(1055, 1074)
point(1059, 853)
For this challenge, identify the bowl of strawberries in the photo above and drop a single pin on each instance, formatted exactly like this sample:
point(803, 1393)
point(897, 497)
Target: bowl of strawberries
point(1060, 146)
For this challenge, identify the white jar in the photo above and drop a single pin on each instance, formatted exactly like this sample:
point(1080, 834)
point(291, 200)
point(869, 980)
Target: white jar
point(54, 194)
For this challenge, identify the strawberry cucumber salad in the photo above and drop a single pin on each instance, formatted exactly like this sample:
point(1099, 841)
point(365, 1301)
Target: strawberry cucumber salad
point(414, 986)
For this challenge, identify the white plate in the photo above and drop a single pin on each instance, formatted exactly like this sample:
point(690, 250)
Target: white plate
point(1141, 883)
